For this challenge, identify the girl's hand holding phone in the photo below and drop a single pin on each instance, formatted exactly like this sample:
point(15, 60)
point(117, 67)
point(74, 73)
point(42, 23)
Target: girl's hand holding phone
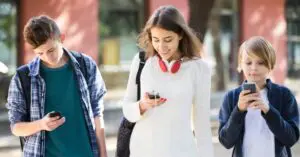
point(150, 101)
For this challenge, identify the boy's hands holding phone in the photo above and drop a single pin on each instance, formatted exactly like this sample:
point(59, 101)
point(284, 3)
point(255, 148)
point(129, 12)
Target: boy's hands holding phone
point(51, 121)
point(260, 104)
point(250, 97)
point(246, 98)
point(150, 101)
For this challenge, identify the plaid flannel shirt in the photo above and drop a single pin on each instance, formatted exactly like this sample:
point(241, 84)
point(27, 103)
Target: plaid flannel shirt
point(92, 91)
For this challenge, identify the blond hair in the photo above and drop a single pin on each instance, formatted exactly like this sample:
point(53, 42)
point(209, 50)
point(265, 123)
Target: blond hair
point(259, 47)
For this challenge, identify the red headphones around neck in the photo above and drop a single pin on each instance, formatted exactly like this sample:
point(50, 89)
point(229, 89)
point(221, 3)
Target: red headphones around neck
point(175, 66)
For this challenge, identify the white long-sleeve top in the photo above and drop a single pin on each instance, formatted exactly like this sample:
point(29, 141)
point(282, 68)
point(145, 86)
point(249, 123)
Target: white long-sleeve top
point(258, 138)
point(166, 130)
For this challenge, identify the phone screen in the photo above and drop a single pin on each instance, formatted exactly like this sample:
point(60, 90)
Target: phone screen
point(249, 86)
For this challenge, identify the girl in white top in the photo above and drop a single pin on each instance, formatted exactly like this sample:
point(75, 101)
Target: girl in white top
point(175, 70)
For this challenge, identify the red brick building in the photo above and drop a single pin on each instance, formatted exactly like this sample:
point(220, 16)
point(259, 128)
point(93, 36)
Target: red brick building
point(80, 21)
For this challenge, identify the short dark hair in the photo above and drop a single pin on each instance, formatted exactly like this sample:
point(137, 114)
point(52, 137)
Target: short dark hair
point(39, 29)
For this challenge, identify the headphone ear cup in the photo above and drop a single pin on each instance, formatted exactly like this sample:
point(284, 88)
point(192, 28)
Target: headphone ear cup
point(175, 67)
point(162, 65)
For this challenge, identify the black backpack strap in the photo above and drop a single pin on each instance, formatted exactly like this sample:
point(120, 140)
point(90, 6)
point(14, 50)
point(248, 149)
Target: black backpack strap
point(23, 73)
point(79, 57)
point(126, 127)
point(138, 75)
point(25, 79)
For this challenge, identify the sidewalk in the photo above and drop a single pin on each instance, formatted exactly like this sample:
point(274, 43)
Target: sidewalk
point(9, 147)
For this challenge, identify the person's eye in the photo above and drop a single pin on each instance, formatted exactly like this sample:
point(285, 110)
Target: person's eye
point(50, 51)
point(168, 40)
point(40, 53)
point(155, 40)
point(248, 63)
point(260, 63)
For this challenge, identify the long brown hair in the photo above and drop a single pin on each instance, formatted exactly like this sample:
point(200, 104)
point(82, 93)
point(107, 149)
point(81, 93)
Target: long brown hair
point(169, 18)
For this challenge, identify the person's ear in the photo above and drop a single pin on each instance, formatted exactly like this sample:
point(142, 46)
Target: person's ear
point(239, 69)
point(62, 37)
point(180, 36)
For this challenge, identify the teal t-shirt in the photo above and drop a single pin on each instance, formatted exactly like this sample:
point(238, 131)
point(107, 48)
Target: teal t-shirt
point(62, 94)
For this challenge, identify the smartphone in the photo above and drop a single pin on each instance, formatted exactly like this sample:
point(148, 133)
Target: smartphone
point(55, 114)
point(249, 86)
point(153, 95)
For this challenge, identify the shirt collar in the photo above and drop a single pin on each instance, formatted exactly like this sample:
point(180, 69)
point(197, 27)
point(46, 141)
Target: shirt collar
point(34, 66)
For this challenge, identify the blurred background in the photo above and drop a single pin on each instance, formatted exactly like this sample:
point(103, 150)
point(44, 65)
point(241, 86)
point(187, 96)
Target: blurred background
point(107, 31)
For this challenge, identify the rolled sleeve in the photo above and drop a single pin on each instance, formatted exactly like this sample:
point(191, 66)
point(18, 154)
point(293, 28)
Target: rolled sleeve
point(97, 89)
point(16, 102)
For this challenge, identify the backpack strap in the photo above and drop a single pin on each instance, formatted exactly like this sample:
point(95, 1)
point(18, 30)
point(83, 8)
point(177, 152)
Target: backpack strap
point(25, 79)
point(79, 57)
point(138, 75)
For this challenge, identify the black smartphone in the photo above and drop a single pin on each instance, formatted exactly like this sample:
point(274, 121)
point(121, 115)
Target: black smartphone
point(55, 114)
point(153, 95)
point(249, 86)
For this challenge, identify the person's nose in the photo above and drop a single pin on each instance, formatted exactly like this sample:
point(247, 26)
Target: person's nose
point(254, 67)
point(162, 47)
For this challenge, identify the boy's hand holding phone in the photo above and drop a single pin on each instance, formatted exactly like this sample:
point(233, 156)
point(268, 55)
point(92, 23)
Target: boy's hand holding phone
point(247, 96)
point(51, 121)
point(260, 104)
